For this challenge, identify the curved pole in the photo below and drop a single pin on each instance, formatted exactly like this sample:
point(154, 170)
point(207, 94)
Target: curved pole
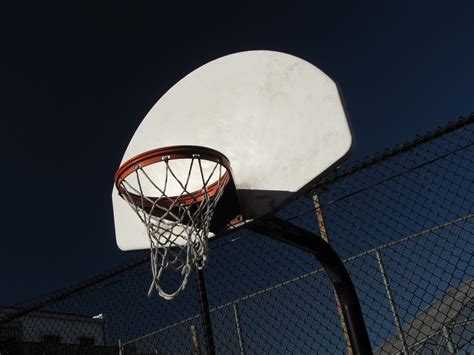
point(289, 233)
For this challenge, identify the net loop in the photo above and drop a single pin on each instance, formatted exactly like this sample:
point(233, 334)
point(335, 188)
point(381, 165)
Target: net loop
point(177, 219)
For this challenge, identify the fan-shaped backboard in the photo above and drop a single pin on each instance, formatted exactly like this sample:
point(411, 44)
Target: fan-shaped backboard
point(278, 119)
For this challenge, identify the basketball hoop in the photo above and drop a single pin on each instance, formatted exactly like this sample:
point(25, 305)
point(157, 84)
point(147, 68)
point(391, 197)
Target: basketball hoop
point(174, 192)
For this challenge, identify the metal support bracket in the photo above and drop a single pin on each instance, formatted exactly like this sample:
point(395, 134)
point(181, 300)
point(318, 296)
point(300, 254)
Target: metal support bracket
point(288, 233)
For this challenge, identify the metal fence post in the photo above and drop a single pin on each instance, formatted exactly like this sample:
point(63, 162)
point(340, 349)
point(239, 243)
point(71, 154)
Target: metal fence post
point(325, 236)
point(195, 340)
point(392, 302)
point(206, 317)
point(449, 341)
point(239, 330)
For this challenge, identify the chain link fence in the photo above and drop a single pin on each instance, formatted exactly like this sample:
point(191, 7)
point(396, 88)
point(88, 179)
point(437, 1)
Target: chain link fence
point(402, 222)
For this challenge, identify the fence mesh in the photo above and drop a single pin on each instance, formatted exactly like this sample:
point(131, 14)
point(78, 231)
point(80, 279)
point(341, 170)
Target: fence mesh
point(402, 222)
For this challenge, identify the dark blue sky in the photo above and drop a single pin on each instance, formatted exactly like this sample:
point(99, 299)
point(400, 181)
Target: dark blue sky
point(76, 82)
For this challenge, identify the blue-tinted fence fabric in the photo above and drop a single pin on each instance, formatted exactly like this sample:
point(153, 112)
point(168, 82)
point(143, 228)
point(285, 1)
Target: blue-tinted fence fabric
point(403, 223)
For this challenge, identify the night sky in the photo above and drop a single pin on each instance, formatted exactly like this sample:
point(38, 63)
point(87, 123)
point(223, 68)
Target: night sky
point(77, 80)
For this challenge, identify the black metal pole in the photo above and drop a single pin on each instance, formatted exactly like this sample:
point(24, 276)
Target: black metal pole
point(289, 233)
point(206, 317)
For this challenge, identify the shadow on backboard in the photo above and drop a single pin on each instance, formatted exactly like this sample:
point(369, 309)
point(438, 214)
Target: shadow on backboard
point(255, 203)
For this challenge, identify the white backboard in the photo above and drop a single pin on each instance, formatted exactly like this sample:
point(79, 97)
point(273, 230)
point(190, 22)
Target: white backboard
point(278, 119)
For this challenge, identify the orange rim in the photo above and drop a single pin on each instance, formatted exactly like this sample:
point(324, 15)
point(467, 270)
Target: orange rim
point(173, 153)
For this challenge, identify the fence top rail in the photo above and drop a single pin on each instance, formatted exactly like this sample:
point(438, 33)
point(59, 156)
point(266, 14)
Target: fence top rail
point(399, 149)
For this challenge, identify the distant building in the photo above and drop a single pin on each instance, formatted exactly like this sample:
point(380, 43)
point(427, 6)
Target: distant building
point(446, 327)
point(53, 333)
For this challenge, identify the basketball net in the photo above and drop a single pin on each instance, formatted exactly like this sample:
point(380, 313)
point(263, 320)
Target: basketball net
point(177, 226)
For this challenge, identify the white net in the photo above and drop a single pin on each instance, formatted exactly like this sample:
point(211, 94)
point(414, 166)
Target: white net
point(176, 214)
